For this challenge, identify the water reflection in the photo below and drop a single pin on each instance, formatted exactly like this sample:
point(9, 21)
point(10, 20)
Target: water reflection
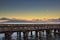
point(43, 37)
point(34, 38)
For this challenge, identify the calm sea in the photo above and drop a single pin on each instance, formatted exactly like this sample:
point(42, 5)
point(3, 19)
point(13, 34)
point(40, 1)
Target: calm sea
point(43, 36)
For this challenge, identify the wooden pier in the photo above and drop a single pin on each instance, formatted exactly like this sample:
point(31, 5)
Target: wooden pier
point(8, 29)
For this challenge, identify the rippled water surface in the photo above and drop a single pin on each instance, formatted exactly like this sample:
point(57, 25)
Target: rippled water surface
point(43, 37)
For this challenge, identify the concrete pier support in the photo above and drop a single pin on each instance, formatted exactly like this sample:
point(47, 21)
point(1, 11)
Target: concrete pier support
point(54, 32)
point(25, 34)
point(36, 33)
point(48, 33)
point(39, 34)
point(43, 32)
point(59, 32)
point(31, 34)
point(18, 34)
point(8, 36)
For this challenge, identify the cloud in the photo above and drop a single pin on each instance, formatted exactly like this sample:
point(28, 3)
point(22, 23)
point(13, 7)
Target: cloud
point(4, 18)
point(54, 20)
point(13, 20)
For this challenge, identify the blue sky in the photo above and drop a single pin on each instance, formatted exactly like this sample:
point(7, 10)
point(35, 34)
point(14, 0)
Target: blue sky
point(30, 9)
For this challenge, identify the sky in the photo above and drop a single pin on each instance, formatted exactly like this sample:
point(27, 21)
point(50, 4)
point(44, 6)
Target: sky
point(30, 9)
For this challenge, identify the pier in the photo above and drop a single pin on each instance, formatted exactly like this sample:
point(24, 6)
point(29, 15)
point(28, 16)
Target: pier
point(9, 29)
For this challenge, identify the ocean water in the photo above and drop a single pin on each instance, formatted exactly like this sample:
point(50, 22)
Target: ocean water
point(43, 36)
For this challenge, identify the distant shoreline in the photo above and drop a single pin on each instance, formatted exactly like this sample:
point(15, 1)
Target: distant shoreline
point(33, 23)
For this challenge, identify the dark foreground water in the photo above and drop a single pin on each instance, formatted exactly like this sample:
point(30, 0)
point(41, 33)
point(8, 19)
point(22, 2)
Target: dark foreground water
point(43, 37)
point(35, 38)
